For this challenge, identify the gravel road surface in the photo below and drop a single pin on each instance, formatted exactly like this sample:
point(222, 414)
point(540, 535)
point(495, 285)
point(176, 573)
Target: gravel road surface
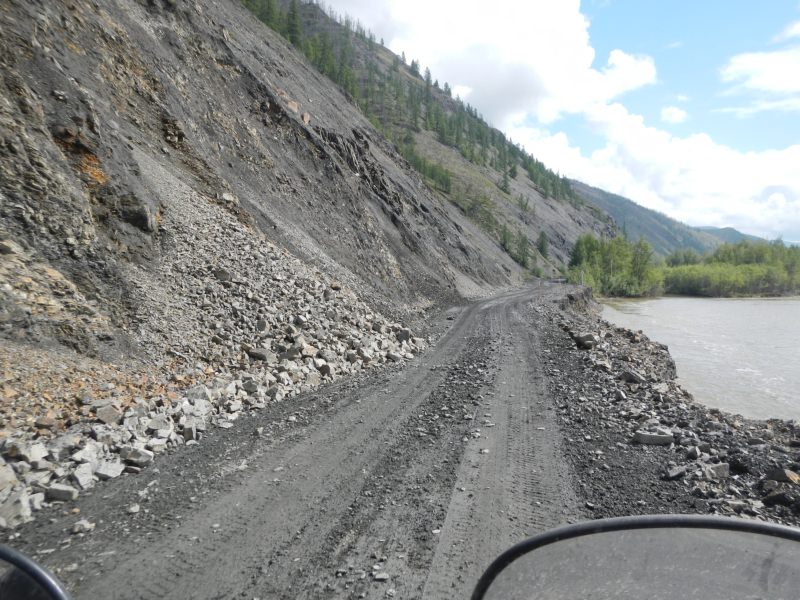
point(404, 483)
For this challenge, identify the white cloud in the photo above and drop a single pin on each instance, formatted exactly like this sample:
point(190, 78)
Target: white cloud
point(624, 73)
point(682, 98)
point(792, 31)
point(376, 16)
point(763, 105)
point(769, 81)
point(775, 72)
point(673, 114)
point(692, 178)
point(462, 91)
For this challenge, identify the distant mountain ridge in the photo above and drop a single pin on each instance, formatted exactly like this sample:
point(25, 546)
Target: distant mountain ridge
point(664, 233)
point(729, 234)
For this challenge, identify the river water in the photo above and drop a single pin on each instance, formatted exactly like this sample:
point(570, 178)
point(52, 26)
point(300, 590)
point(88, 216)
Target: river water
point(740, 355)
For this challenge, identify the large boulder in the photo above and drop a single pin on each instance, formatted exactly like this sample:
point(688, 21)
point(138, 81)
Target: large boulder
point(586, 341)
point(138, 457)
point(263, 354)
point(61, 492)
point(8, 478)
point(651, 438)
point(16, 509)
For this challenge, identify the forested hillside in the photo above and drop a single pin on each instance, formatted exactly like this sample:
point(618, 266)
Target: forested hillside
point(664, 234)
point(531, 211)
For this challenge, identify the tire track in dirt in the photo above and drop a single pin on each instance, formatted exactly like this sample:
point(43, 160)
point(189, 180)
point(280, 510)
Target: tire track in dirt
point(389, 528)
point(513, 472)
point(259, 531)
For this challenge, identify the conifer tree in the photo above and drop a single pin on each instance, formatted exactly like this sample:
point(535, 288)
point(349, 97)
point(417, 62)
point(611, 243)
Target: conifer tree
point(270, 13)
point(293, 29)
point(521, 248)
point(505, 238)
point(504, 184)
point(543, 244)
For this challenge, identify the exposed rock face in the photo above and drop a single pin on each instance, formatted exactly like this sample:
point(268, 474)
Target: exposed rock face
point(185, 197)
point(184, 108)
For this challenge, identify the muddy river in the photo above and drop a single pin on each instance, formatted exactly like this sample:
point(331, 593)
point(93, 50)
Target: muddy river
point(740, 355)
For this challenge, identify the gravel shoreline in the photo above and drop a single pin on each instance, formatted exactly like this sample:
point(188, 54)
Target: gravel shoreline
point(637, 441)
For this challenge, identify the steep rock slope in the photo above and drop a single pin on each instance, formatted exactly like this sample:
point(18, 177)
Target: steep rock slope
point(192, 222)
point(106, 108)
point(530, 211)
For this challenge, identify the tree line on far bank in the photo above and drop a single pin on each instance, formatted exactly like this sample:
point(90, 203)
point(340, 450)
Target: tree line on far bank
point(619, 267)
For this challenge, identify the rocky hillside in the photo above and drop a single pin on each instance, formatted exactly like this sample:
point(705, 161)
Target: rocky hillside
point(530, 211)
point(180, 112)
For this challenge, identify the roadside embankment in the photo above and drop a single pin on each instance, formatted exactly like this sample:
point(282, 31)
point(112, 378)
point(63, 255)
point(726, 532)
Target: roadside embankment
point(640, 444)
point(229, 326)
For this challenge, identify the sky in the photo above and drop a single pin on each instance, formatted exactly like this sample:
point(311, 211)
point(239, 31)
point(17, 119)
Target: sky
point(688, 107)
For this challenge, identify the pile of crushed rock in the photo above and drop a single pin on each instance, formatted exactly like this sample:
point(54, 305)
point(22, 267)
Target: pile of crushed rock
point(244, 321)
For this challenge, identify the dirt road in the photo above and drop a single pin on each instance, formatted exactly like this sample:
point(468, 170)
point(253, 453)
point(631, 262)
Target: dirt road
point(405, 484)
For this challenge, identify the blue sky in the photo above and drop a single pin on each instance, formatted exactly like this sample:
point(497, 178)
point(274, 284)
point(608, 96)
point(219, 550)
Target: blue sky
point(690, 43)
point(690, 108)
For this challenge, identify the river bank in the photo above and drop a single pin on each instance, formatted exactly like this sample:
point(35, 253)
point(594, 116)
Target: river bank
point(637, 441)
point(737, 355)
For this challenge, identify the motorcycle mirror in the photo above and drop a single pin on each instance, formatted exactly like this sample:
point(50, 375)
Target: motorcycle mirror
point(655, 557)
point(21, 578)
